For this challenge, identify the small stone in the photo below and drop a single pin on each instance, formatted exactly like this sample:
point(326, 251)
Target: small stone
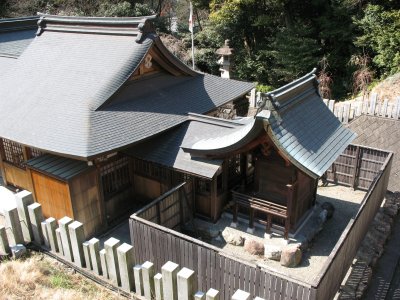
point(253, 247)
point(330, 209)
point(18, 251)
point(232, 237)
point(291, 256)
point(272, 252)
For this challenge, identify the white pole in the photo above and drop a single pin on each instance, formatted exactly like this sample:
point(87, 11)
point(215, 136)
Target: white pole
point(191, 30)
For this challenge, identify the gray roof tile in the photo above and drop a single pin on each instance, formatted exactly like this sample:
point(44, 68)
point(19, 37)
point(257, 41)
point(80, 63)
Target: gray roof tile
point(303, 127)
point(57, 96)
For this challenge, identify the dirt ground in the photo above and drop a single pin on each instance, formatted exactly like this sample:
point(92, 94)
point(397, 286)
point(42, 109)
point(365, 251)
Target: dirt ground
point(38, 276)
point(346, 202)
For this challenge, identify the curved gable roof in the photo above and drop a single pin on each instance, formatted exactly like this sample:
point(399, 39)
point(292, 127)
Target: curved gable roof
point(53, 99)
point(299, 124)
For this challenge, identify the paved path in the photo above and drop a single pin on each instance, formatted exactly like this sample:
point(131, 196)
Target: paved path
point(385, 283)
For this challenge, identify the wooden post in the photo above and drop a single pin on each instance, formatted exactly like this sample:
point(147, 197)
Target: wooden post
point(235, 214)
point(251, 221)
point(158, 213)
point(137, 271)
point(356, 167)
point(346, 112)
point(290, 193)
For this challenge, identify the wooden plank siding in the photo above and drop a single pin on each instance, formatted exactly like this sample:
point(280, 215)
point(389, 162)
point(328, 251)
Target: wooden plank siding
point(86, 203)
point(357, 167)
point(53, 195)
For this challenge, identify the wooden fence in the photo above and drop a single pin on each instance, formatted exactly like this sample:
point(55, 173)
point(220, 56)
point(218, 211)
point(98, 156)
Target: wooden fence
point(214, 268)
point(357, 167)
point(341, 257)
point(347, 110)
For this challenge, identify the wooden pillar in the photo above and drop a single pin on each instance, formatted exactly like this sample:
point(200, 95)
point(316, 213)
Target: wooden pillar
point(290, 195)
point(269, 225)
point(214, 199)
point(102, 205)
point(356, 168)
point(251, 221)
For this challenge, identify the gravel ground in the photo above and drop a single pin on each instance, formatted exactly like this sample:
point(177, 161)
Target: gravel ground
point(346, 203)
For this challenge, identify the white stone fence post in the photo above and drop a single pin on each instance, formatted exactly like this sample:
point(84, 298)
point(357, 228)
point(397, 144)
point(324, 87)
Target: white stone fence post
point(114, 264)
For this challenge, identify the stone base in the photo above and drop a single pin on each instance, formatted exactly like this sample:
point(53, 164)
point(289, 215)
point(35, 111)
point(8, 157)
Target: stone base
point(267, 236)
point(250, 230)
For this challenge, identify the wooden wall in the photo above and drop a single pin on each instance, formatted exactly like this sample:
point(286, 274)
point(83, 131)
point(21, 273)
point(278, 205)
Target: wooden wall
point(53, 195)
point(86, 203)
point(18, 177)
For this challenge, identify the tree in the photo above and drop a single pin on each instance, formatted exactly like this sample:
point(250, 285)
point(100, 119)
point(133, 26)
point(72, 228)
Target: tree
point(381, 37)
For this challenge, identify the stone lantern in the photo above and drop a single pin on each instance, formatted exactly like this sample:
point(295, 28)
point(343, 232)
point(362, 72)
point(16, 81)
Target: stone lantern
point(225, 54)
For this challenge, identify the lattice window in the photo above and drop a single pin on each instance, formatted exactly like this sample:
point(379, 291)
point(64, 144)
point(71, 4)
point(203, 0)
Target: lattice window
point(203, 186)
point(36, 152)
point(151, 170)
point(13, 153)
point(115, 176)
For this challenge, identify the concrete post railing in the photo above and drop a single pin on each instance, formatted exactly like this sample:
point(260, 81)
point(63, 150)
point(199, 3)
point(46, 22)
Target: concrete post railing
point(115, 262)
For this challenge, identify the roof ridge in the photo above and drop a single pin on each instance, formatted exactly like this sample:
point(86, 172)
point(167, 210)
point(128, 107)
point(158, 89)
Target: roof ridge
point(98, 25)
point(14, 24)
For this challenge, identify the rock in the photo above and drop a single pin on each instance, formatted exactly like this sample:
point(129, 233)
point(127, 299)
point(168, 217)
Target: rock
point(232, 237)
point(253, 247)
point(291, 256)
point(272, 252)
point(330, 209)
point(18, 251)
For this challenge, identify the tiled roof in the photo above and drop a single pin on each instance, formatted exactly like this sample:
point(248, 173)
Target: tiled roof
point(15, 37)
point(56, 98)
point(382, 133)
point(304, 129)
point(165, 149)
point(58, 167)
point(16, 34)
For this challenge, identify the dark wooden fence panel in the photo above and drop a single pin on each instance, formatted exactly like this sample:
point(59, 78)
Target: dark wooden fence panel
point(341, 257)
point(357, 167)
point(214, 268)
